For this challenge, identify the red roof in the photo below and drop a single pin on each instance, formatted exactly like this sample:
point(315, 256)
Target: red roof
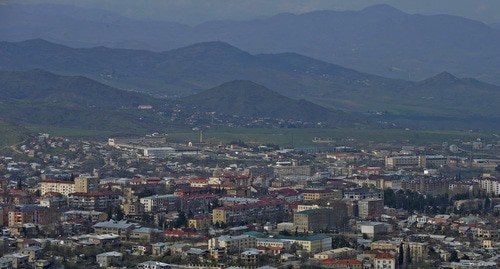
point(384, 256)
point(196, 196)
point(252, 205)
point(330, 261)
point(93, 194)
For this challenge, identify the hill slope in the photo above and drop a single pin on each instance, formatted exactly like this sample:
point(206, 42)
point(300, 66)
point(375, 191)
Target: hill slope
point(248, 99)
point(40, 97)
point(185, 71)
point(380, 39)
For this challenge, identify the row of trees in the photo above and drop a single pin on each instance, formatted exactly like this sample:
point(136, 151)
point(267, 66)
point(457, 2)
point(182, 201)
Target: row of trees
point(414, 201)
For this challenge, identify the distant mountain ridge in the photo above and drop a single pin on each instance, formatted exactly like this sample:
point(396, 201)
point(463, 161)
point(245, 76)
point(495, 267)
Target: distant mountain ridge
point(248, 99)
point(379, 39)
point(187, 70)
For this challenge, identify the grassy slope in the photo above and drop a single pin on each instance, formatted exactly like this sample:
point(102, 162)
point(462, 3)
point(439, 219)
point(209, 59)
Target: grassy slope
point(11, 133)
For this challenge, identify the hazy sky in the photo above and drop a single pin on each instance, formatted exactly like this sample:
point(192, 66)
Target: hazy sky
point(196, 11)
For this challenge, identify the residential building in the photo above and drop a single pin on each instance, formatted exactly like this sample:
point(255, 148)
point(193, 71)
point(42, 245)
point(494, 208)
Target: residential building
point(121, 228)
point(59, 186)
point(109, 259)
point(270, 210)
point(18, 260)
point(99, 201)
point(86, 184)
point(156, 203)
point(31, 214)
point(321, 194)
point(232, 244)
point(370, 208)
point(384, 261)
point(320, 219)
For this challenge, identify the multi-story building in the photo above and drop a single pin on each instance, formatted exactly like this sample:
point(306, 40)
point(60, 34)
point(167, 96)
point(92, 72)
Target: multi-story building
point(59, 186)
point(36, 215)
point(384, 261)
point(121, 228)
point(109, 259)
point(18, 260)
point(86, 184)
point(157, 203)
point(364, 193)
point(197, 202)
point(4, 213)
point(93, 201)
point(271, 210)
point(490, 185)
point(320, 219)
point(321, 194)
point(370, 207)
point(93, 216)
point(232, 243)
point(405, 161)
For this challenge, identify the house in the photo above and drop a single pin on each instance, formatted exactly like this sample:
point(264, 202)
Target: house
point(18, 260)
point(109, 259)
point(159, 249)
point(34, 253)
point(5, 263)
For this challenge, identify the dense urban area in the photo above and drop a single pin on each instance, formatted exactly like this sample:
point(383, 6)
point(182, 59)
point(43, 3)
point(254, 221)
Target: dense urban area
point(147, 203)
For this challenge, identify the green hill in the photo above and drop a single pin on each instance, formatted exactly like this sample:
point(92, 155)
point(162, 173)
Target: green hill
point(40, 97)
point(248, 99)
point(11, 133)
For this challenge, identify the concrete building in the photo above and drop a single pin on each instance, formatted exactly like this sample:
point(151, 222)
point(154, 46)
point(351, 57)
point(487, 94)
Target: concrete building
point(59, 186)
point(99, 201)
point(121, 228)
point(384, 261)
point(109, 259)
point(271, 210)
point(321, 194)
point(31, 214)
point(370, 208)
point(18, 260)
point(156, 203)
point(86, 184)
point(320, 219)
point(232, 244)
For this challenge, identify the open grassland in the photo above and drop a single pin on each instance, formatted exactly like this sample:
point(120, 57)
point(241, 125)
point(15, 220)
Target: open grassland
point(304, 137)
point(282, 137)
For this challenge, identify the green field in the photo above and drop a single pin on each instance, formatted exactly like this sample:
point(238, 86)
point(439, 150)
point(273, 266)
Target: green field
point(283, 137)
point(304, 137)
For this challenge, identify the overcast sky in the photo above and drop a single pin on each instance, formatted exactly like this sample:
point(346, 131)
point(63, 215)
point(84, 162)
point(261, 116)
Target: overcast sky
point(197, 11)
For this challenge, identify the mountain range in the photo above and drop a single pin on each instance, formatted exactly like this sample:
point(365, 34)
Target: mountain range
point(189, 70)
point(379, 40)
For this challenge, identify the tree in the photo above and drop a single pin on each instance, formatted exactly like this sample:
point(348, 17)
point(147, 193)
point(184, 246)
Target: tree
point(181, 220)
point(401, 255)
point(454, 256)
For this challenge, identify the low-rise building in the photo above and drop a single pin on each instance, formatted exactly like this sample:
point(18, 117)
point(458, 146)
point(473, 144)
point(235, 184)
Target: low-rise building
point(109, 259)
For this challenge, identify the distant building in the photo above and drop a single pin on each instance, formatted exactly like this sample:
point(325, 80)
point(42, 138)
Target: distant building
point(86, 184)
point(109, 259)
point(59, 186)
point(31, 214)
point(320, 219)
point(273, 210)
point(370, 207)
